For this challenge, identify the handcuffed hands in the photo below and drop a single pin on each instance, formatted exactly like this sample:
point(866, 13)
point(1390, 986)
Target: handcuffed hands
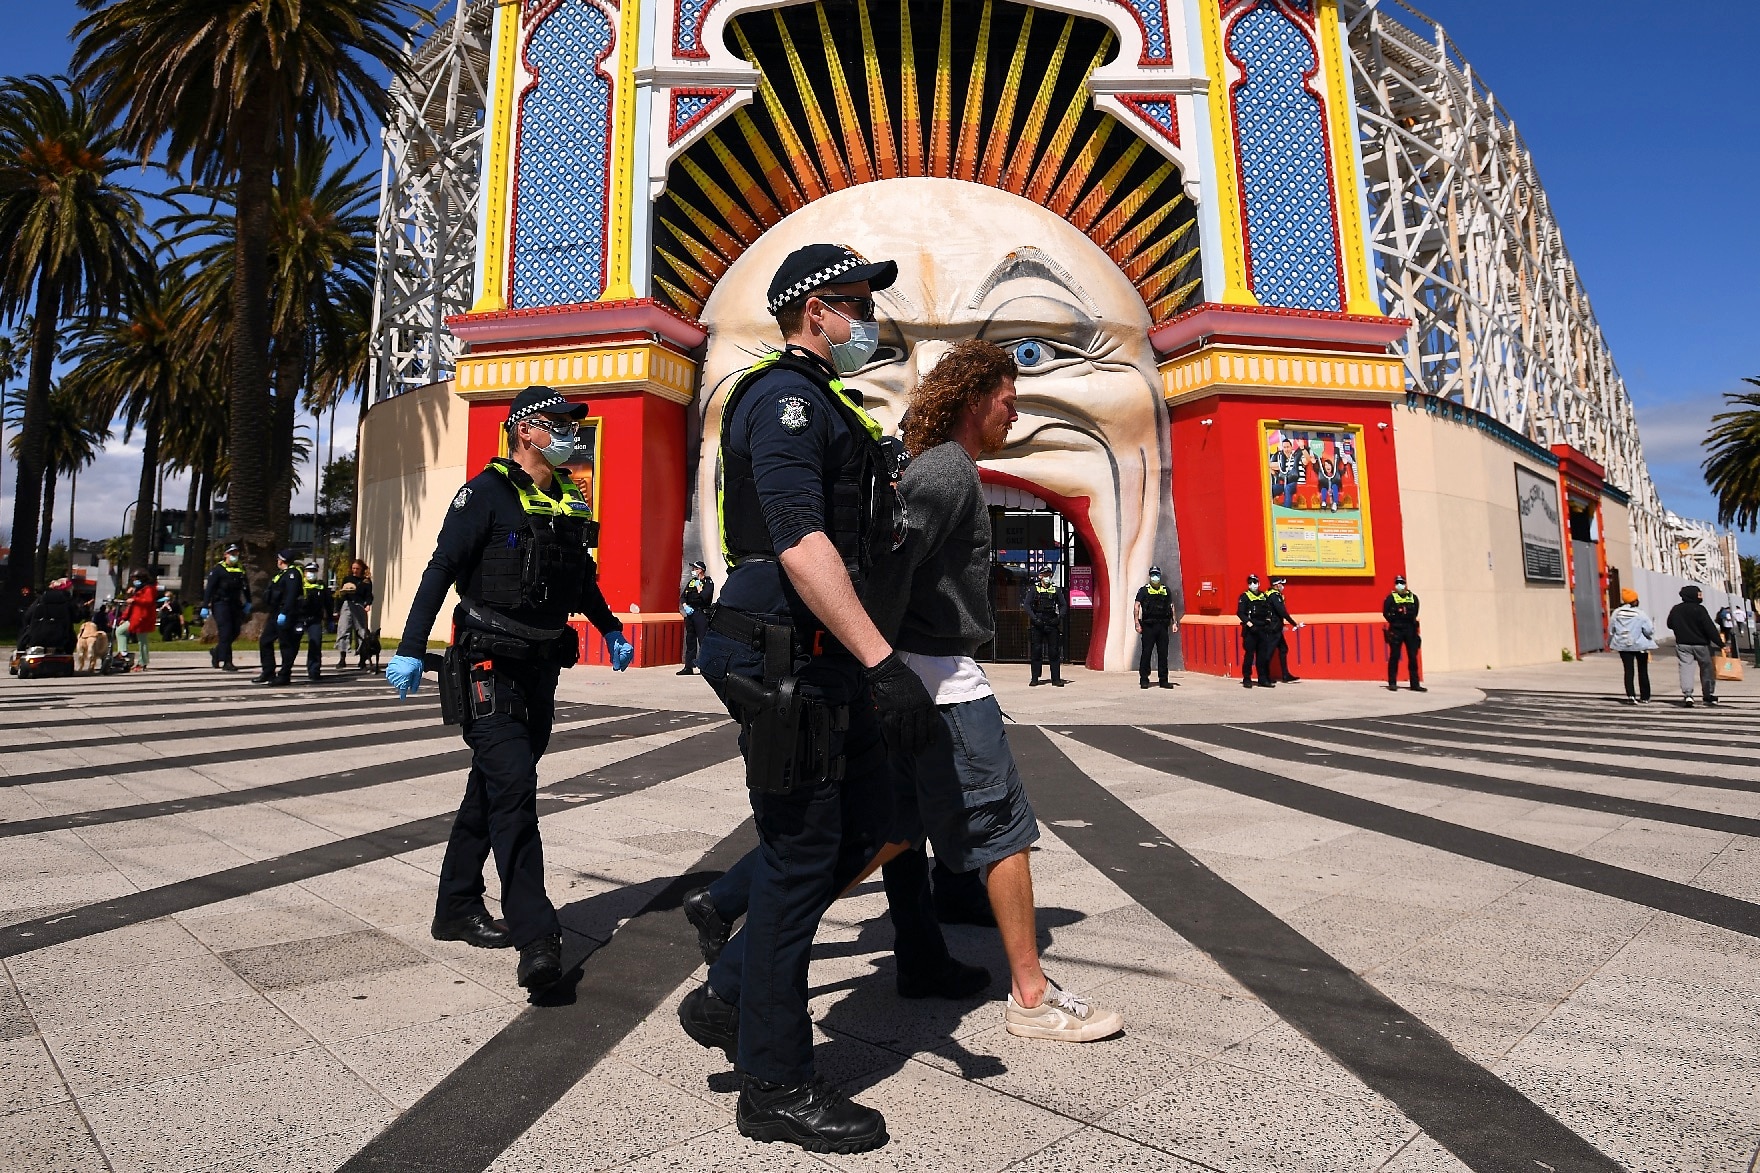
point(404, 674)
point(908, 719)
point(622, 652)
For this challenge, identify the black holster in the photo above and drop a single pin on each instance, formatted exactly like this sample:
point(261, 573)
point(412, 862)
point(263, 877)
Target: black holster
point(450, 668)
point(787, 736)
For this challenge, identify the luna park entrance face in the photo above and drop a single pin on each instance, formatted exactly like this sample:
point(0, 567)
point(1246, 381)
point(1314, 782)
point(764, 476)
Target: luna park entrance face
point(1025, 536)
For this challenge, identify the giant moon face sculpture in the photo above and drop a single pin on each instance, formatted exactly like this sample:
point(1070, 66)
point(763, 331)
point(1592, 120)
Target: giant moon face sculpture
point(977, 262)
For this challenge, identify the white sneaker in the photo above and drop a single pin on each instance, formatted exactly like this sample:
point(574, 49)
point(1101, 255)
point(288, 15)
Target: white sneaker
point(1061, 1016)
point(1688, 700)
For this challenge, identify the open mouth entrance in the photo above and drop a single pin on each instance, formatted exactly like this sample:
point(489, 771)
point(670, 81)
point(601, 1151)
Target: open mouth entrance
point(1027, 534)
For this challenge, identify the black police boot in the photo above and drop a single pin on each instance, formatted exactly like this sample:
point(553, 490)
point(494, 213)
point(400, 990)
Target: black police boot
point(952, 979)
point(712, 931)
point(813, 1115)
point(1143, 682)
point(1246, 684)
point(1292, 680)
point(1168, 684)
point(1416, 687)
point(262, 678)
point(687, 670)
point(540, 963)
point(1059, 683)
point(284, 679)
point(710, 1022)
point(476, 929)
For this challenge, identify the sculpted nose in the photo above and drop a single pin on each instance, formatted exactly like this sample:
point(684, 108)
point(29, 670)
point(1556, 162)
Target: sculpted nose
point(925, 356)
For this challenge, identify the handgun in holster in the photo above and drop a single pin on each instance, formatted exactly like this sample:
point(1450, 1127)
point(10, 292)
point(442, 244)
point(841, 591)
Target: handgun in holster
point(788, 737)
point(449, 666)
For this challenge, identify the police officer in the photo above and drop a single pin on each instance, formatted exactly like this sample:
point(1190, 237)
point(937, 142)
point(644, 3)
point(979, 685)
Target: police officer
point(1046, 605)
point(283, 603)
point(695, 600)
point(808, 505)
point(516, 542)
point(315, 607)
point(1400, 609)
point(1154, 616)
point(1284, 618)
point(226, 598)
point(1259, 628)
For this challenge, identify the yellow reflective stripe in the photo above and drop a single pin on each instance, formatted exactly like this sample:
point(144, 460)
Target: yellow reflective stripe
point(875, 431)
point(540, 504)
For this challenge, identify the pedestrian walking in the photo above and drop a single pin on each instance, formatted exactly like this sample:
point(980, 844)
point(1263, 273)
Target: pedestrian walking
point(1631, 633)
point(1284, 620)
point(694, 600)
point(354, 608)
point(1400, 609)
point(1259, 628)
point(1726, 627)
point(283, 602)
point(1046, 605)
point(517, 542)
point(1695, 637)
point(1155, 624)
point(139, 617)
point(226, 597)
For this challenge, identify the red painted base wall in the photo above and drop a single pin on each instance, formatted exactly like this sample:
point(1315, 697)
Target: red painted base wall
point(1219, 501)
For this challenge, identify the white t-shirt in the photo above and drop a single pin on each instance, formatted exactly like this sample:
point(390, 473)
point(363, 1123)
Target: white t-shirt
point(951, 680)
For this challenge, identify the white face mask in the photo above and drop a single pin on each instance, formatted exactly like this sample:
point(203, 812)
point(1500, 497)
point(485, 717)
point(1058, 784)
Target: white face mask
point(864, 339)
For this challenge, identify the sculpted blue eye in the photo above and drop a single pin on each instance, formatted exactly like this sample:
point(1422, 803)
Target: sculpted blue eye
point(1030, 354)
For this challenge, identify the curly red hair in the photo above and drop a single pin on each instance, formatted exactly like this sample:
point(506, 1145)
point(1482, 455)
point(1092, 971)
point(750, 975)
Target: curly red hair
point(970, 370)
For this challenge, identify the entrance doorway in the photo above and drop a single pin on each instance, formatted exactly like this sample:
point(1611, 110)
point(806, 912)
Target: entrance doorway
point(1586, 593)
point(1027, 535)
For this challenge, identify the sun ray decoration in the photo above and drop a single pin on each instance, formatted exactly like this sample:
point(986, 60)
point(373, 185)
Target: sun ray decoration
point(819, 127)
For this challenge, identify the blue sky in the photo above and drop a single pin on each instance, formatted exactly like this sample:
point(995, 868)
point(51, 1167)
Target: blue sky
point(1645, 129)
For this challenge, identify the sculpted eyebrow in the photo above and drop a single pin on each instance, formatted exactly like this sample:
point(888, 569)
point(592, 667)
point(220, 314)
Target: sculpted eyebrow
point(1031, 262)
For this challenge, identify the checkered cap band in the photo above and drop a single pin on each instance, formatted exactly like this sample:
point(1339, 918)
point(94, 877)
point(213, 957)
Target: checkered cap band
point(554, 403)
point(813, 281)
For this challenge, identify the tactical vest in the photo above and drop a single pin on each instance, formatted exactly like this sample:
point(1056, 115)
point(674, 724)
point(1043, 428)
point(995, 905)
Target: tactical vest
point(1043, 601)
point(1157, 604)
point(543, 564)
point(1259, 609)
point(867, 510)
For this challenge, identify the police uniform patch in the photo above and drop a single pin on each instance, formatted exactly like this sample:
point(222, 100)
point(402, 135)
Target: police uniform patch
point(795, 414)
point(464, 495)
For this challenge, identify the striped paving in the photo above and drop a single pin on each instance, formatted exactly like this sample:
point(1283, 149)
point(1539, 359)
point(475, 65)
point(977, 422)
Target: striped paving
point(1519, 933)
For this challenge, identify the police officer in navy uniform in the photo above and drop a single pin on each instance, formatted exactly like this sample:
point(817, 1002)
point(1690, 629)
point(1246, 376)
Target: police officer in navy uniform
point(283, 603)
point(695, 599)
point(226, 597)
point(315, 608)
point(516, 542)
point(1284, 620)
point(1046, 606)
point(1154, 616)
point(808, 505)
point(1400, 609)
point(1259, 628)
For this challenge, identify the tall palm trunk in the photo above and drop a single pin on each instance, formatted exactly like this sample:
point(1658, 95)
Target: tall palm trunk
point(140, 544)
point(248, 493)
point(290, 368)
point(195, 564)
point(194, 557)
point(33, 456)
point(48, 529)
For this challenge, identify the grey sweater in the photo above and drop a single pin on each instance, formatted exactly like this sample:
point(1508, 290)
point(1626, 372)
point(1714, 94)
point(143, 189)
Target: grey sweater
point(932, 596)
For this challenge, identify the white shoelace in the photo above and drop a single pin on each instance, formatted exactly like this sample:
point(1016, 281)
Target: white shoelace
point(1066, 1001)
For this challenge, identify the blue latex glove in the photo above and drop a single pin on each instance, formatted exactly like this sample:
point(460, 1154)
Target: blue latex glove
point(204, 612)
point(622, 651)
point(281, 620)
point(247, 608)
point(405, 675)
point(689, 610)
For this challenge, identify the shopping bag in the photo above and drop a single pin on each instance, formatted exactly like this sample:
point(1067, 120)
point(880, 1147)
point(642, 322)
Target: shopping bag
point(1728, 667)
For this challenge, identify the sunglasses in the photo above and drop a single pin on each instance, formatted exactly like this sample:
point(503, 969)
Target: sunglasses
point(561, 429)
point(863, 306)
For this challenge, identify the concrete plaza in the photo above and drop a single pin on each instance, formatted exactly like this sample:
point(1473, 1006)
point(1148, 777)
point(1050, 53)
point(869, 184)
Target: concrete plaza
point(1507, 924)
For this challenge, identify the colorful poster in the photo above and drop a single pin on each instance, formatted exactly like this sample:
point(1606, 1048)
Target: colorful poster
point(1316, 500)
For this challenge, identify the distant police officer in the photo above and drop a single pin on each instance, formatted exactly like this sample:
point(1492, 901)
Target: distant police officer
point(695, 599)
point(1400, 609)
point(1046, 605)
point(314, 615)
point(808, 505)
point(1154, 616)
point(226, 598)
point(516, 543)
point(1284, 619)
point(1259, 628)
point(283, 603)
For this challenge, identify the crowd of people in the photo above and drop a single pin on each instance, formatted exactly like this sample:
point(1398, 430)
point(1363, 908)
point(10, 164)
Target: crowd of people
point(1698, 641)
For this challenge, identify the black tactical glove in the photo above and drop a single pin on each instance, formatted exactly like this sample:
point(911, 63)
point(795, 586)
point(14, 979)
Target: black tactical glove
point(908, 719)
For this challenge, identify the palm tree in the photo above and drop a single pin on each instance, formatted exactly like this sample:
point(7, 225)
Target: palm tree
point(195, 442)
point(73, 435)
point(1733, 467)
point(225, 86)
point(69, 239)
point(12, 365)
point(137, 365)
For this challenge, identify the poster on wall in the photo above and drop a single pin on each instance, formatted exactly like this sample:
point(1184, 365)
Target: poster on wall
point(1542, 537)
point(1316, 500)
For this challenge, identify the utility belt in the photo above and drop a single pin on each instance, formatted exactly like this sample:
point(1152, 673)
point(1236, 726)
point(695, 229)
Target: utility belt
point(467, 668)
point(788, 737)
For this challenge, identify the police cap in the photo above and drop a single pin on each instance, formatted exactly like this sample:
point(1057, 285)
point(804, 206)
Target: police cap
point(285, 555)
point(815, 266)
point(1280, 582)
point(542, 401)
point(1154, 572)
point(233, 549)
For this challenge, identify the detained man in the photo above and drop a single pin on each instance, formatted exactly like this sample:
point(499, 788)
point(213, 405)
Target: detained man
point(935, 594)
